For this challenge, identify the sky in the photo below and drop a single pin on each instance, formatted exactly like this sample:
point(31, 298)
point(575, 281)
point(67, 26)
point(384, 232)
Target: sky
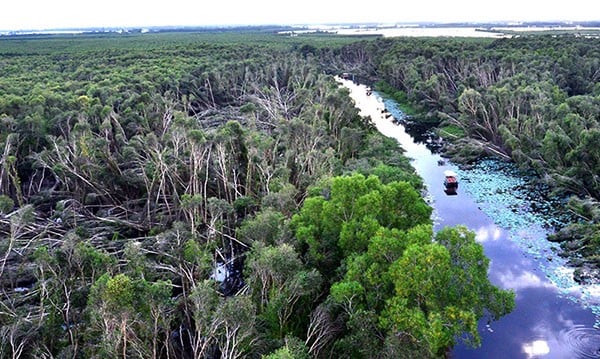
point(53, 14)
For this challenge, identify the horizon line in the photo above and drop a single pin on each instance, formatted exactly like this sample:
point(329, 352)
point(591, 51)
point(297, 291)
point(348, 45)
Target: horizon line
point(346, 23)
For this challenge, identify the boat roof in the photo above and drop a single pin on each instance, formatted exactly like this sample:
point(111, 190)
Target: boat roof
point(449, 173)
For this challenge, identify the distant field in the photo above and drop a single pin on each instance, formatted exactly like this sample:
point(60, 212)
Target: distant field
point(495, 32)
point(423, 32)
point(548, 30)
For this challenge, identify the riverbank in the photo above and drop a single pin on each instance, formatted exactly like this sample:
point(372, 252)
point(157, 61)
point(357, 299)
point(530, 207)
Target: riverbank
point(554, 316)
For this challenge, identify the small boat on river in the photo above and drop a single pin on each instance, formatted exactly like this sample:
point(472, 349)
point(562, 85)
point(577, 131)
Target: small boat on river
point(450, 182)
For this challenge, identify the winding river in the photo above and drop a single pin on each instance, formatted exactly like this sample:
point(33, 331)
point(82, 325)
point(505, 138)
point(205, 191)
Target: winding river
point(553, 317)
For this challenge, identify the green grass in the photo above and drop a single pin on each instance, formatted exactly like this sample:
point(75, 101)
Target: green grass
point(398, 96)
point(451, 131)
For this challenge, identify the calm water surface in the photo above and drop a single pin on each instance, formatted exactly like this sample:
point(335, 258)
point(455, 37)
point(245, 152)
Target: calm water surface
point(553, 316)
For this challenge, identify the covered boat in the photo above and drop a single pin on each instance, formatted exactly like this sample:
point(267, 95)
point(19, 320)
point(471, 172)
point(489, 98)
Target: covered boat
point(450, 182)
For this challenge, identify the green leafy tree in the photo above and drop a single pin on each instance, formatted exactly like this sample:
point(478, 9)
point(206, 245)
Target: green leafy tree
point(281, 285)
point(355, 207)
point(268, 226)
point(129, 317)
point(111, 303)
point(294, 348)
point(442, 290)
point(235, 321)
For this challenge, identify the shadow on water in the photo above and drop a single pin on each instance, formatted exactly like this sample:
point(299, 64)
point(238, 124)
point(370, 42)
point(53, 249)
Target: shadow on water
point(421, 133)
point(554, 317)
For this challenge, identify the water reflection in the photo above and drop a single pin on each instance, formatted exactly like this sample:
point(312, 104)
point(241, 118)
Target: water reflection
point(542, 325)
point(488, 233)
point(522, 280)
point(585, 341)
point(573, 341)
point(536, 348)
point(450, 191)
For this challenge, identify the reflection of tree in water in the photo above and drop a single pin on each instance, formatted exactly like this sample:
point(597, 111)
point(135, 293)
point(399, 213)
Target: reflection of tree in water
point(422, 133)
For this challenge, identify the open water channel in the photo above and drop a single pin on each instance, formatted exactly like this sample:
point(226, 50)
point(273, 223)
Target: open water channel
point(554, 317)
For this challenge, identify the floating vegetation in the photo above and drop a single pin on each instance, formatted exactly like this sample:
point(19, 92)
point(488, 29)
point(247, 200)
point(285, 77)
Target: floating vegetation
point(393, 107)
point(517, 202)
point(500, 185)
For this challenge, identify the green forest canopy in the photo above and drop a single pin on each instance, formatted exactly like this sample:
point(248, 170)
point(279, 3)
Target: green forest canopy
point(133, 166)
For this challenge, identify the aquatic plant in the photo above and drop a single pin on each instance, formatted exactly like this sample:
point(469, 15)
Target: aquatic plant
point(519, 202)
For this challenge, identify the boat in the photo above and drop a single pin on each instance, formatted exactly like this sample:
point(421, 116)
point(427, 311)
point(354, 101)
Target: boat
point(347, 76)
point(450, 182)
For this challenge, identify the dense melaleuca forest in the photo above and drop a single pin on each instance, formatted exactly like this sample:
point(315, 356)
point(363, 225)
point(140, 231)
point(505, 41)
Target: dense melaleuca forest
point(217, 195)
